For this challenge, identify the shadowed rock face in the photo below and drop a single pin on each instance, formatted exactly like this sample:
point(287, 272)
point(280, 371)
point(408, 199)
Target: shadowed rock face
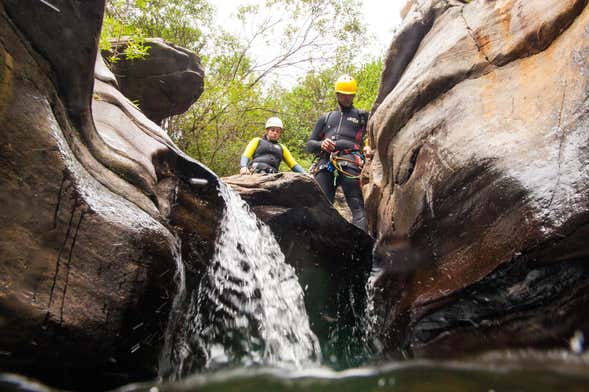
point(98, 216)
point(331, 256)
point(167, 82)
point(479, 188)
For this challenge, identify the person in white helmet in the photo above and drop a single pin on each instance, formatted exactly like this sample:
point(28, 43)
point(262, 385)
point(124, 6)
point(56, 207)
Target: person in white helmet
point(264, 154)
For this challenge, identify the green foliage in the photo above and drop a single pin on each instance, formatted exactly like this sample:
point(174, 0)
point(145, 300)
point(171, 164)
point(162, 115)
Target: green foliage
point(116, 27)
point(243, 88)
point(302, 105)
point(176, 21)
point(368, 76)
point(228, 114)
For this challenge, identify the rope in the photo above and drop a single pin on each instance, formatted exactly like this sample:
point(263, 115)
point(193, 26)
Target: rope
point(334, 161)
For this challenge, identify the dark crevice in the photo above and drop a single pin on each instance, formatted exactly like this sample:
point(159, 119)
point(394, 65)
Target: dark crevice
point(57, 265)
point(405, 171)
point(560, 148)
point(68, 266)
point(58, 203)
point(471, 34)
point(408, 171)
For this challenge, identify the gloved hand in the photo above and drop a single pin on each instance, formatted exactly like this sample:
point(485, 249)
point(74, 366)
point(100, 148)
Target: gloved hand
point(244, 171)
point(367, 151)
point(328, 145)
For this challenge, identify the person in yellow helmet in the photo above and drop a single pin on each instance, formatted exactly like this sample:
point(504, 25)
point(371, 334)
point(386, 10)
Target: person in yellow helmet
point(264, 154)
point(339, 142)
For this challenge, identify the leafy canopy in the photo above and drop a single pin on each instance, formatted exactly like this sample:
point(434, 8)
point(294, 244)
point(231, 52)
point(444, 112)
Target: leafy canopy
point(244, 85)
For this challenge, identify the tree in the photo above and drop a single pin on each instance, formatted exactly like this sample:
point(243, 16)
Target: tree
point(242, 86)
point(176, 21)
point(238, 96)
point(300, 34)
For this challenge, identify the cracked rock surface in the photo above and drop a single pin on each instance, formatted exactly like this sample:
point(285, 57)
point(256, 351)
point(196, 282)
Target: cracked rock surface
point(479, 188)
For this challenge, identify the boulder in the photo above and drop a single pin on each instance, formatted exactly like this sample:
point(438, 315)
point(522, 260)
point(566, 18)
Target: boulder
point(330, 255)
point(164, 83)
point(100, 218)
point(479, 187)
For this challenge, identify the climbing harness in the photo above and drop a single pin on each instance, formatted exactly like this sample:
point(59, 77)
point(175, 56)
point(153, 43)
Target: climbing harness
point(338, 163)
point(262, 168)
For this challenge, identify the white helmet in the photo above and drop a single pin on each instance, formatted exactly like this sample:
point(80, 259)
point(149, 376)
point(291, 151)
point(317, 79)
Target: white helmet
point(274, 122)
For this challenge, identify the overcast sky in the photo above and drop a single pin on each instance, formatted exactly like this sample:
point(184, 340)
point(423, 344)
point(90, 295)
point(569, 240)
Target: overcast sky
point(381, 18)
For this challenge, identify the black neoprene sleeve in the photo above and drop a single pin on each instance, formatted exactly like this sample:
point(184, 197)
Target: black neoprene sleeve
point(314, 142)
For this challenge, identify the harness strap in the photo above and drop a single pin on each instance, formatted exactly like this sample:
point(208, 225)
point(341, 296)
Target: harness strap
point(262, 167)
point(338, 162)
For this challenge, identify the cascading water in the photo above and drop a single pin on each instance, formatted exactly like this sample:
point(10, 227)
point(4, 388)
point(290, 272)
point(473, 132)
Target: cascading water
point(371, 317)
point(249, 308)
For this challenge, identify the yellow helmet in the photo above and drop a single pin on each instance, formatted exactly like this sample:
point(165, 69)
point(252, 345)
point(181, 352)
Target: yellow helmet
point(346, 84)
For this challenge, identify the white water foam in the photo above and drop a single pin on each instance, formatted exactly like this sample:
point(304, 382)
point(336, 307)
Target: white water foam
point(249, 309)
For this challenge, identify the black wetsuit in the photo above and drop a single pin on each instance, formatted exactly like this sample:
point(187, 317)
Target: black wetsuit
point(267, 157)
point(347, 129)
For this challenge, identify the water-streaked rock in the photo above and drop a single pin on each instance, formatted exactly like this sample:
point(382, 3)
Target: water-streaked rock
point(99, 215)
point(479, 188)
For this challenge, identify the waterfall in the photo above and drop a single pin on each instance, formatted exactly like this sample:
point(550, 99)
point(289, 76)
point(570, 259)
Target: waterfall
point(372, 320)
point(249, 308)
point(167, 361)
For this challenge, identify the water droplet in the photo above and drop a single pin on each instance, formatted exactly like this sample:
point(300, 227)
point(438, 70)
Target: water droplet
point(577, 342)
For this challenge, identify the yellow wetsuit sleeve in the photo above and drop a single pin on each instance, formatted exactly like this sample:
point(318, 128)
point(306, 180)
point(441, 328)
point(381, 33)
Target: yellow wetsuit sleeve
point(287, 157)
point(251, 147)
